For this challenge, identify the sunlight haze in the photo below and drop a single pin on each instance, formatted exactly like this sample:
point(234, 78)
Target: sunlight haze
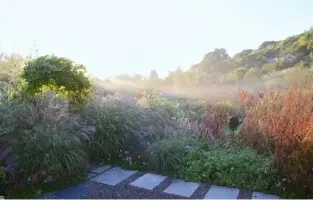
point(121, 36)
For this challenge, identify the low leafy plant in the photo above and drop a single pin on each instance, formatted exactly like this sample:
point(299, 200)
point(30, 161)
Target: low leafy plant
point(228, 166)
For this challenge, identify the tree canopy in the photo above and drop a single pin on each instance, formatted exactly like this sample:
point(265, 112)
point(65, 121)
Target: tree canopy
point(59, 74)
point(218, 67)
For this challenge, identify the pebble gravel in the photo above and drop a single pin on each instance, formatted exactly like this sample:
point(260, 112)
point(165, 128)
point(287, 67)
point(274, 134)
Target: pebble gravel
point(125, 191)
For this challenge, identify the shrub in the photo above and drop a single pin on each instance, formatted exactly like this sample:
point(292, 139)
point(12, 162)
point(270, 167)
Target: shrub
point(169, 108)
point(268, 68)
point(58, 74)
point(166, 155)
point(258, 106)
point(46, 154)
point(216, 118)
point(247, 99)
point(182, 127)
point(41, 144)
point(147, 99)
point(123, 131)
point(153, 100)
point(303, 64)
point(237, 74)
point(192, 111)
point(237, 167)
point(153, 125)
point(116, 126)
point(252, 74)
point(284, 125)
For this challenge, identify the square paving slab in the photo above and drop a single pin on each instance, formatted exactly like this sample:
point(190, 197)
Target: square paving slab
point(262, 196)
point(181, 188)
point(113, 176)
point(148, 181)
point(100, 169)
point(219, 192)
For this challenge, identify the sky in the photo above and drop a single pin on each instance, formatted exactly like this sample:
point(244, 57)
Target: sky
point(112, 37)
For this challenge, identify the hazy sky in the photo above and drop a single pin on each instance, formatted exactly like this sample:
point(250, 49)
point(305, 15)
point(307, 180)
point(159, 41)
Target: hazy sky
point(111, 37)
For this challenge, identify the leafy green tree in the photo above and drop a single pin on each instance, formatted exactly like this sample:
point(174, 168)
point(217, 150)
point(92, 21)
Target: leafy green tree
point(216, 61)
point(216, 55)
point(59, 74)
point(303, 64)
point(267, 43)
point(241, 58)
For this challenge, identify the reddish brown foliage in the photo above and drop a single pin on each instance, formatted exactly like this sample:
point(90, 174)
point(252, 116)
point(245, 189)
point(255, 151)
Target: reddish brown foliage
point(209, 130)
point(216, 117)
point(246, 99)
point(139, 95)
point(283, 123)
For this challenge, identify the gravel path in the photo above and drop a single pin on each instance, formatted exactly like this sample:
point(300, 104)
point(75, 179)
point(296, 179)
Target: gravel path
point(123, 190)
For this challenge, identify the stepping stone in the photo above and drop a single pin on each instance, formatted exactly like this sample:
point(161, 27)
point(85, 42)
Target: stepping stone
point(91, 175)
point(181, 188)
point(148, 181)
point(219, 192)
point(262, 196)
point(72, 192)
point(100, 169)
point(113, 176)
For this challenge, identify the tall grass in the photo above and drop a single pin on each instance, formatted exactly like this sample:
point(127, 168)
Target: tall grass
point(42, 142)
point(283, 124)
point(117, 128)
